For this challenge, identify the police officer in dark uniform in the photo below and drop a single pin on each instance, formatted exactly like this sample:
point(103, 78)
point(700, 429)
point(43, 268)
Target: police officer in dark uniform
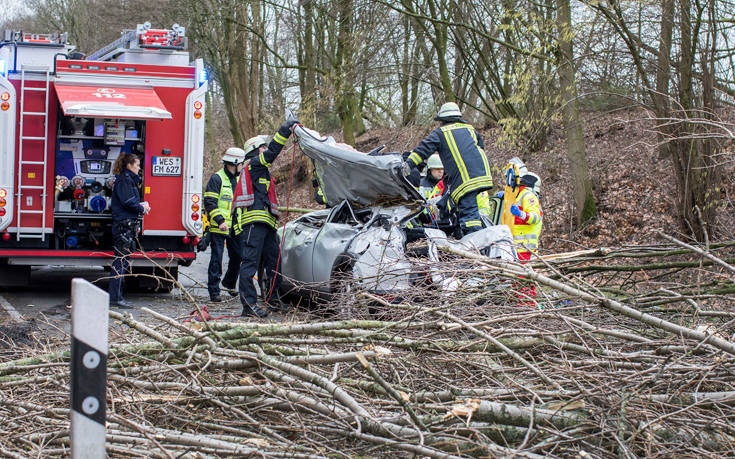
point(256, 193)
point(467, 169)
point(126, 210)
point(224, 224)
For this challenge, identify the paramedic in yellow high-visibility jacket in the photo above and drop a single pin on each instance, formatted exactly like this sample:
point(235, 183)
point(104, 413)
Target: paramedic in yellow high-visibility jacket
point(528, 216)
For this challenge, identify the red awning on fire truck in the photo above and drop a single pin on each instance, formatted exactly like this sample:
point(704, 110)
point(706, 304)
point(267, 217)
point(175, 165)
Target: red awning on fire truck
point(111, 102)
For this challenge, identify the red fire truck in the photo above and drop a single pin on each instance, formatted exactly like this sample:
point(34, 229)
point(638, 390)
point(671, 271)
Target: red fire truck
point(64, 119)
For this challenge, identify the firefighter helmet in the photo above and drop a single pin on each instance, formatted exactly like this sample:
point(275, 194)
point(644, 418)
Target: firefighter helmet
point(253, 144)
point(434, 162)
point(234, 155)
point(448, 110)
point(532, 181)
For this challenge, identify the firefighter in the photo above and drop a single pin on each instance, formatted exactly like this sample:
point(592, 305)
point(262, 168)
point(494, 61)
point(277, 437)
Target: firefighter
point(126, 209)
point(434, 174)
point(467, 169)
point(528, 216)
point(318, 193)
point(256, 193)
point(224, 228)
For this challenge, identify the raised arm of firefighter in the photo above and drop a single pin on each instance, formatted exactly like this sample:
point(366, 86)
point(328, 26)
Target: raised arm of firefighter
point(211, 201)
point(266, 158)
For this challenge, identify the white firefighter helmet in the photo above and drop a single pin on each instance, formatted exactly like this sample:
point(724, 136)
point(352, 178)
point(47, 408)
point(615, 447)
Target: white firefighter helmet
point(532, 181)
point(254, 143)
point(234, 155)
point(434, 162)
point(448, 110)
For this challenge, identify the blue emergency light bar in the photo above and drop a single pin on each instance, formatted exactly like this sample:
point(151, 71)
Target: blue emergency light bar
point(3, 68)
point(202, 77)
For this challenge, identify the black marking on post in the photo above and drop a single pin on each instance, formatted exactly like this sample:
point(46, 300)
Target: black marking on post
point(88, 381)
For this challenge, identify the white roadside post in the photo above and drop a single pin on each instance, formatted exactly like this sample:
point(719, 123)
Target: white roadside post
point(89, 328)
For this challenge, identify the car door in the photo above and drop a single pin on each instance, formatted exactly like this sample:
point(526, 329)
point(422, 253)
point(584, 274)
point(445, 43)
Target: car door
point(298, 246)
point(332, 241)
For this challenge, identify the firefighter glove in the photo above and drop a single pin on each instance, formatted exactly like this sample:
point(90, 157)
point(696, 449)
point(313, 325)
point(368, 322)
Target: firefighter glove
point(515, 210)
point(500, 194)
point(286, 128)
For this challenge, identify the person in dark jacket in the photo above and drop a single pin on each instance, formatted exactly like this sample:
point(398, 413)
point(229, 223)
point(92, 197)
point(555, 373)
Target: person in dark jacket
point(256, 194)
point(224, 224)
point(126, 210)
point(467, 169)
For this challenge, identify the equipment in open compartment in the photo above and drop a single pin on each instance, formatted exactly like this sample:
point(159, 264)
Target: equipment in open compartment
point(84, 164)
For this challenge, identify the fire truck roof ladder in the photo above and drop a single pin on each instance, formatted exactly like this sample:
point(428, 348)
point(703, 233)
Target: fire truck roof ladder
point(143, 37)
point(32, 139)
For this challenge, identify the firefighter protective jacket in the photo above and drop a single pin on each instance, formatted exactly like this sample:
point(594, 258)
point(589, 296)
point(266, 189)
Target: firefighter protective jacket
point(263, 210)
point(427, 185)
point(218, 201)
point(460, 148)
point(527, 228)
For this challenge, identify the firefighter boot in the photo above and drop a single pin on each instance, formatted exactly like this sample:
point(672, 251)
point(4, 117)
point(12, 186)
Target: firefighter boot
point(253, 310)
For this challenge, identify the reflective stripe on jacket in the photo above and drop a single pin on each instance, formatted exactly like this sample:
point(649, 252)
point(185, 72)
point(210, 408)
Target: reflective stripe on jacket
point(263, 209)
point(526, 232)
point(221, 210)
point(460, 148)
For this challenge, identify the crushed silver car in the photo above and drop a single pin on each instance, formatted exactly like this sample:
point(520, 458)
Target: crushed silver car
point(361, 240)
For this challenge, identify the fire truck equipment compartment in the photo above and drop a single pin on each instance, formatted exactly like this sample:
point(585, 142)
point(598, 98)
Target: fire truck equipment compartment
point(111, 102)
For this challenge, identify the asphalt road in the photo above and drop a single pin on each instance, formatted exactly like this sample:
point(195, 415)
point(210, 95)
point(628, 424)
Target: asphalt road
point(48, 297)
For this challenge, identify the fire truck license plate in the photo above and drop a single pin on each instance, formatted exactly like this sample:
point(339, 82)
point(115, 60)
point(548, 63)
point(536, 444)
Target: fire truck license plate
point(166, 165)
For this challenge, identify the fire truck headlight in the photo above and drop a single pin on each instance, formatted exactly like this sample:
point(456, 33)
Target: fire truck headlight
point(5, 96)
point(198, 226)
point(3, 202)
point(197, 113)
point(5, 106)
point(3, 192)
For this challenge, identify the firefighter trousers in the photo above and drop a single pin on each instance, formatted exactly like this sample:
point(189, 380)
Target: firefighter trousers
point(260, 244)
point(468, 214)
point(217, 243)
point(124, 233)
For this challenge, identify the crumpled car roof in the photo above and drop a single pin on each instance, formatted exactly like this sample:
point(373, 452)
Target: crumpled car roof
point(347, 174)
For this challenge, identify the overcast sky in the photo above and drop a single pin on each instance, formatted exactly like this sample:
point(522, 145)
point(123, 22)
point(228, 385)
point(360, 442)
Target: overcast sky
point(11, 8)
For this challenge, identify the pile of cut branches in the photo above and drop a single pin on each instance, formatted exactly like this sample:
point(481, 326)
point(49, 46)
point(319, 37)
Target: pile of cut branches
point(621, 352)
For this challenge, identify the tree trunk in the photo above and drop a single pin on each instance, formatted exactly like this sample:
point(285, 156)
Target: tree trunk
point(584, 200)
point(691, 157)
point(344, 71)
